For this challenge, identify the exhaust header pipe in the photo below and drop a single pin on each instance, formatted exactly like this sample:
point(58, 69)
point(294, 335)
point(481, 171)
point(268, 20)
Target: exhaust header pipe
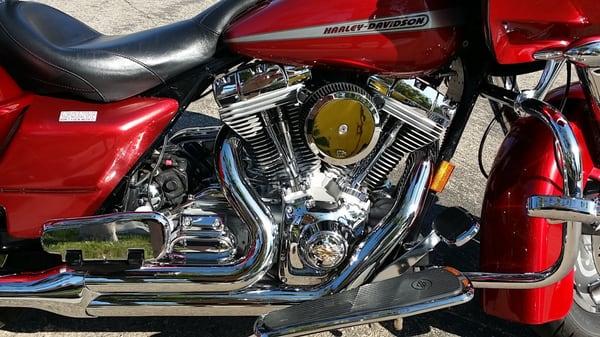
point(114, 237)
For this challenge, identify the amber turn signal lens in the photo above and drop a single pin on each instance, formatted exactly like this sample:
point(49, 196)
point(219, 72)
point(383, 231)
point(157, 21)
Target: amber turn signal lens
point(442, 176)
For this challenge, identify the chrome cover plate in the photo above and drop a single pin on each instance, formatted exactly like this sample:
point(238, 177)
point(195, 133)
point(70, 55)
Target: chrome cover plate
point(253, 80)
point(109, 237)
point(415, 102)
point(321, 226)
point(563, 209)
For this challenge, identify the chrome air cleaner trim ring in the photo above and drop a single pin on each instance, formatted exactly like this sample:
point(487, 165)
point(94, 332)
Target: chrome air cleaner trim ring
point(343, 128)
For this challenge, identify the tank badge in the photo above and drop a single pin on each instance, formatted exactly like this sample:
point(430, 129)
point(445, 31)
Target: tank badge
point(385, 25)
point(411, 22)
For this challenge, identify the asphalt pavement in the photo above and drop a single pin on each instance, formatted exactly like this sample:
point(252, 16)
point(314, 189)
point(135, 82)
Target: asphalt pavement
point(465, 189)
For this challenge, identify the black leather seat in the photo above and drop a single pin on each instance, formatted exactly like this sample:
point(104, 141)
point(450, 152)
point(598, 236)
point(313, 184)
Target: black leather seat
point(53, 53)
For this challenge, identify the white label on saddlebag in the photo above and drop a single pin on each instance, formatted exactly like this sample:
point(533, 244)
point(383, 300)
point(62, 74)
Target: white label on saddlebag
point(78, 116)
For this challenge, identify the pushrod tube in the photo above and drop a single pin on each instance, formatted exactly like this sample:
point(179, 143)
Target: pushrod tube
point(572, 173)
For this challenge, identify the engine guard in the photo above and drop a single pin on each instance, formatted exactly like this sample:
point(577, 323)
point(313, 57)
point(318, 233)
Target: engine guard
point(511, 241)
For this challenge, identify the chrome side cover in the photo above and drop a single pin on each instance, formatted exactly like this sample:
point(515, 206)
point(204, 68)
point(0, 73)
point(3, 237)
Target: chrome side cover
point(111, 237)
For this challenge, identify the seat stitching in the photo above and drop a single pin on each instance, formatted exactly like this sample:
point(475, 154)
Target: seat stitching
point(202, 25)
point(64, 86)
point(48, 63)
point(134, 60)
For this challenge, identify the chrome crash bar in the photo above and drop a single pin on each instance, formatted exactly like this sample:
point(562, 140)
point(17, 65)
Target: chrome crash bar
point(569, 209)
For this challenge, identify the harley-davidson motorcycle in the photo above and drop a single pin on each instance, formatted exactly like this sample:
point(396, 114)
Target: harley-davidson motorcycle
point(307, 205)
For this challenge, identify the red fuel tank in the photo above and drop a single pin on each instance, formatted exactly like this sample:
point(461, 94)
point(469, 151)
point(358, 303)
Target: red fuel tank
point(392, 36)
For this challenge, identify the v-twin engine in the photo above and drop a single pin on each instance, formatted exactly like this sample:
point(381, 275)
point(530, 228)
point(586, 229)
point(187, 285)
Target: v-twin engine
point(325, 151)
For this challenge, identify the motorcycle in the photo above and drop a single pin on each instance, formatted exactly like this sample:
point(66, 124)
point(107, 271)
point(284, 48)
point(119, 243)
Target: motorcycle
point(306, 203)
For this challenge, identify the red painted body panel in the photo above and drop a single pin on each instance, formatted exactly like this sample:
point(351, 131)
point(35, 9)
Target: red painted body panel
point(54, 169)
point(406, 52)
point(520, 28)
point(513, 242)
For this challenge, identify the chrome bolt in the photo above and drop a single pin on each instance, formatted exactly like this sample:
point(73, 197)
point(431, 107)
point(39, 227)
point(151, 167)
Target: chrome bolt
point(309, 204)
point(289, 212)
point(343, 129)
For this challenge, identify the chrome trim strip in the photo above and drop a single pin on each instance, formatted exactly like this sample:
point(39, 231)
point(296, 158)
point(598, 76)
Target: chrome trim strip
point(167, 306)
point(412, 22)
point(563, 209)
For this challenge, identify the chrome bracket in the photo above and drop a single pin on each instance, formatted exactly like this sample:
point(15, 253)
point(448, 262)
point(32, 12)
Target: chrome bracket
point(561, 209)
point(424, 247)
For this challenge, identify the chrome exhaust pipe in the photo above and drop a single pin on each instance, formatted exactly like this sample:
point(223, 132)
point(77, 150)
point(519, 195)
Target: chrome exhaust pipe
point(241, 274)
point(152, 232)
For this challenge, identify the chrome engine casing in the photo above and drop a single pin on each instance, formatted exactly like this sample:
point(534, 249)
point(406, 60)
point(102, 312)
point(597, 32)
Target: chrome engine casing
point(321, 225)
point(326, 201)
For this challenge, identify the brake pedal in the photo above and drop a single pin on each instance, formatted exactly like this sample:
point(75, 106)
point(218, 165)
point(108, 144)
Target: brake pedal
point(407, 295)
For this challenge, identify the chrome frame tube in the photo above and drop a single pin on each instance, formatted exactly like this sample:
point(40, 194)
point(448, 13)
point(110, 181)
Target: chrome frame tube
point(549, 75)
point(572, 173)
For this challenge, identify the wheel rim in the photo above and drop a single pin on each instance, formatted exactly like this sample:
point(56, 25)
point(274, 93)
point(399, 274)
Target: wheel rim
point(587, 273)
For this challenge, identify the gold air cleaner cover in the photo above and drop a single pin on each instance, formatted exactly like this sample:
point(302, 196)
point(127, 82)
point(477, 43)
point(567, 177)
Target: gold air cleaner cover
point(343, 124)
